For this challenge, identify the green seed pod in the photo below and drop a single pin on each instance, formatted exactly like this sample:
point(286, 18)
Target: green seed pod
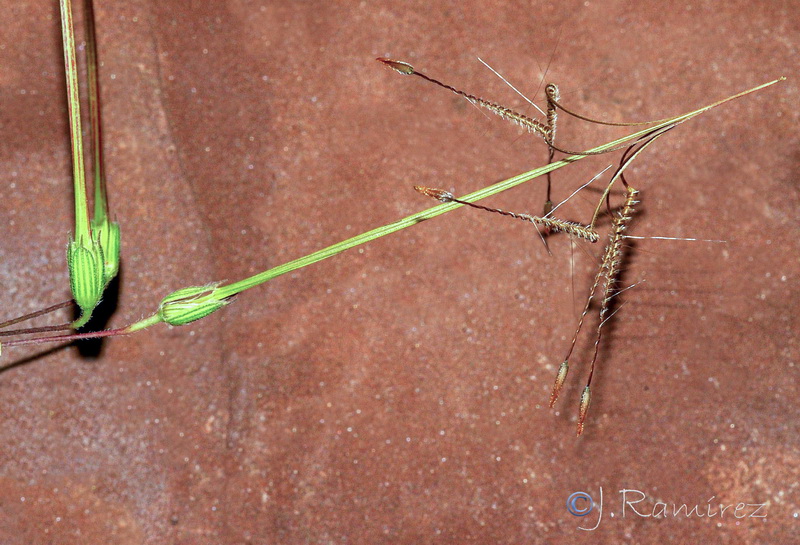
point(190, 304)
point(108, 235)
point(85, 263)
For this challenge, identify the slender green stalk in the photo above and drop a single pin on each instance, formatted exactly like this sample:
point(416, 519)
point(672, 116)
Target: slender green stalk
point(82, 231)
point(247, 283)
point(105, 231)
point(100, 193)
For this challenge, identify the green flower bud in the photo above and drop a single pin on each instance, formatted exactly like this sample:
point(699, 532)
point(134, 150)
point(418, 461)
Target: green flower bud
point(85, 263)
point(108, 235)
point(190, 304)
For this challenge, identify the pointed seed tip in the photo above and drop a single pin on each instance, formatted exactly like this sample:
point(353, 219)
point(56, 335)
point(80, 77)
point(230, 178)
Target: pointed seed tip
point(561, 376)
point(439, 194)
point(586, 398)
point(399, 66)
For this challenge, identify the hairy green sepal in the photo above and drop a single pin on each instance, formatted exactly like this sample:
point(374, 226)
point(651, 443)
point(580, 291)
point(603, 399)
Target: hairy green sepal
point(108, 235)
point(86, 278)
point(189, 304)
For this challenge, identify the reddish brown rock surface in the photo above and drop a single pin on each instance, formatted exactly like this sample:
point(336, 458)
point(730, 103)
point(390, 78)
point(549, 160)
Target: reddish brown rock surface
point(398, 393)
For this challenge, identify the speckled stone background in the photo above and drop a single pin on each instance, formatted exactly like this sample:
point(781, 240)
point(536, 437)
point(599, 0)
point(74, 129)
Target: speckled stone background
point(398, 393)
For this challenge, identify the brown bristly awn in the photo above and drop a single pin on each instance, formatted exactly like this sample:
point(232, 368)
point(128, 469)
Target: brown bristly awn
point(608, 271)
point(546, 130)
point(610, 264)
point(610, 268)
point(555, 225)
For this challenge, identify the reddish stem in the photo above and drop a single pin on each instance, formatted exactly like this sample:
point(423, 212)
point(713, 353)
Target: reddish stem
point(31, 330)
point(70, 338)
point(36, 314)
